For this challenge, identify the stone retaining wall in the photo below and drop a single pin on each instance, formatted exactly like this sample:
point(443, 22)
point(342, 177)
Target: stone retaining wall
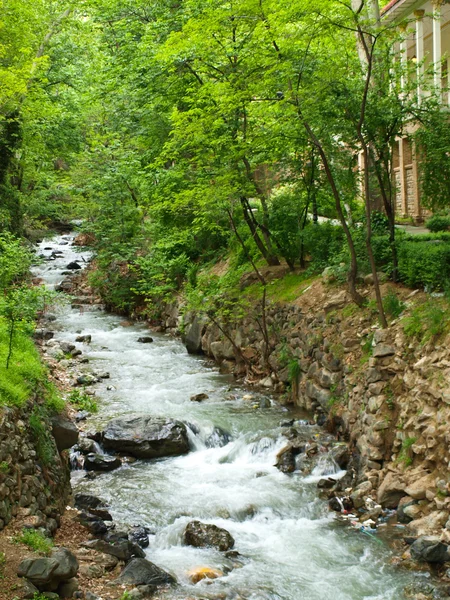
point(36, 490)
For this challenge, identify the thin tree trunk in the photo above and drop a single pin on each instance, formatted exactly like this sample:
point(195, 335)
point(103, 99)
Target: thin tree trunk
point(270, 259)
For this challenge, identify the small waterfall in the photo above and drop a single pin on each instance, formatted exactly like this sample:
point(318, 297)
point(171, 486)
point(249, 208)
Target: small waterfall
point(326, 466)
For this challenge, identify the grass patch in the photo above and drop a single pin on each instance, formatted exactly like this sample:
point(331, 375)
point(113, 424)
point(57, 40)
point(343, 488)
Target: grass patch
point(289, 288)
point(26, 373)
point(428, 320)
point(82, 401)
point(34, 540)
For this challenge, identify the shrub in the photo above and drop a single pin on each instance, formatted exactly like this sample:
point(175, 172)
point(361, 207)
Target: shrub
point(82, 401)
point(34, 540)
point(424, 264)
point(438, 223)
point(323, 243)
point(392, 305)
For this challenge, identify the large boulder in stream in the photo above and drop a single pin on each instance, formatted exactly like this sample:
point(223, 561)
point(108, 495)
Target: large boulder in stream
point(140, 571)
point(146, 437)
point(206, 535)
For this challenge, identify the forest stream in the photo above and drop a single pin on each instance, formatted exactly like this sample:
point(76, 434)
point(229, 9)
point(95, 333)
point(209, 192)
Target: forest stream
point(291, 546)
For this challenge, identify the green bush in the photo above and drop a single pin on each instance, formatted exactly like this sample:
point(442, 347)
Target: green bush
point(82, 401)
point(424, 264)
point(323, 243)
point(34, 540)
point(393, 306)
point(438, 223)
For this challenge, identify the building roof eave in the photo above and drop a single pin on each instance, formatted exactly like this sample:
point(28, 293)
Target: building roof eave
point(396, 10)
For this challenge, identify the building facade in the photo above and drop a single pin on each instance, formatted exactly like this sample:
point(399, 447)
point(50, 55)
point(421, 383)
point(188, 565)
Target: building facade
point(425, 28)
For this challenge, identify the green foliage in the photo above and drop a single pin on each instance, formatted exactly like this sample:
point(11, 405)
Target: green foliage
point(428, 320)
point(433, 139)
point(39, 425)
point(424, 264)
point(294, 370)
point(25, 373)
point(405, 451)
point(323, 244)
point(82, 401)
point(393, 306)
point(34, 540)
point(438, 223)
point(4, 467)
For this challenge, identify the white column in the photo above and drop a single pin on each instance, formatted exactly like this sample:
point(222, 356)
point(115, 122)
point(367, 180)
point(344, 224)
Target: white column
point(419, 51)
point(437, 46)
point(403, 57)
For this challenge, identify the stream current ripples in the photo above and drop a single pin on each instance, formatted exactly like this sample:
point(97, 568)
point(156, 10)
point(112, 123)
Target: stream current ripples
point(291, 547)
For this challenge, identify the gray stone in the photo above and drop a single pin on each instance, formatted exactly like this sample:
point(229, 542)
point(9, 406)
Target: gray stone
point(205, 535)
point(101, 462)
point(382, 350)
point(67, 564)
point(429, 549)
point(146, 437)
point(315, 392)
point(88, 501)
point(39, 571)
point(193, 341)
point(28, 590)
point(86, 339)
point(140, 571)
point(73, 266)
point(122, 549)
point(64, 432)
point(391, 490)
point(341, 455)
point(145, 339)
point(68, 588)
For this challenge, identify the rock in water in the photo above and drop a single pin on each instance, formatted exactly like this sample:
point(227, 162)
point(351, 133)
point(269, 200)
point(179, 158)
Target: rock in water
point(204, 535)
point(139, 535)
point(73, 266)
point(200, 573)
point(145, 339)
point(146, 437)
point(101, 462)
point(199, 397)
point(140, 571)
point(88, 501)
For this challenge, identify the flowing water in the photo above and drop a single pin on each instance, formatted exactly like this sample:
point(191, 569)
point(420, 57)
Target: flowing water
point(291, 546)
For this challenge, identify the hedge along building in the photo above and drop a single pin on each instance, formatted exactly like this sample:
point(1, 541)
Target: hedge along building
point(426, 43)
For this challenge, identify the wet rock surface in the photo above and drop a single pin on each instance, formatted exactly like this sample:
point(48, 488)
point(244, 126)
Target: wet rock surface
point(140, 571)
point(146, 437)
point(203, 535)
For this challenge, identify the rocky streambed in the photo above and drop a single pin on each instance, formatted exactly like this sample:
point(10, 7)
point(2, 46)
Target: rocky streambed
point(216, 486)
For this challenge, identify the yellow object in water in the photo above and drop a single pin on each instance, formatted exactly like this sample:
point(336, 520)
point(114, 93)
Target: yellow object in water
point(199, 573)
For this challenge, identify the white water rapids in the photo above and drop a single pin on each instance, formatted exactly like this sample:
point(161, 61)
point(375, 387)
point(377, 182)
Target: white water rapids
point(291, 547)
